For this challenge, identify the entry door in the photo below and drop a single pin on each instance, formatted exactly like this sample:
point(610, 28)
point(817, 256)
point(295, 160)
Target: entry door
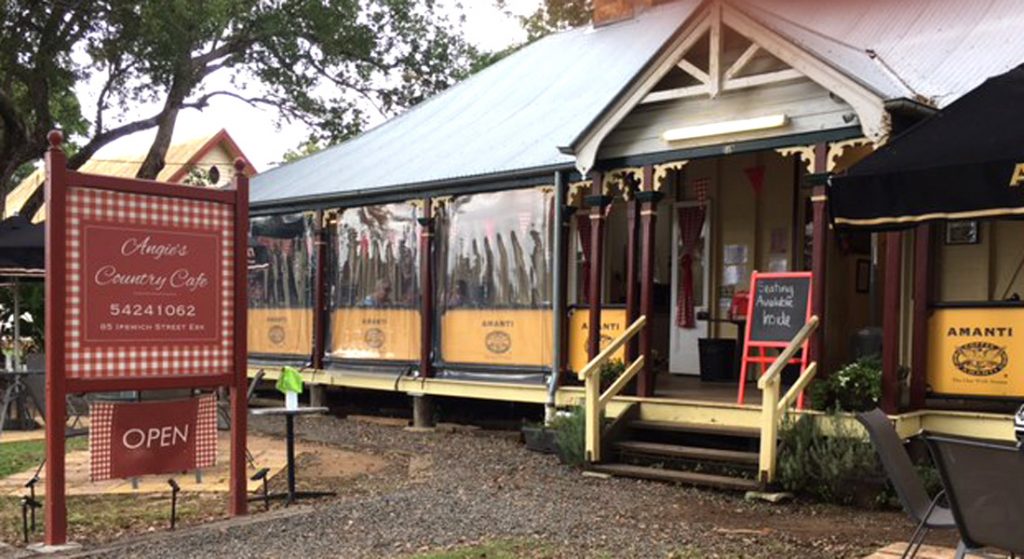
point(683, 358)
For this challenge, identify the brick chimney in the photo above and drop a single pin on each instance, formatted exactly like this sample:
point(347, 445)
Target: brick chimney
point(611, 11)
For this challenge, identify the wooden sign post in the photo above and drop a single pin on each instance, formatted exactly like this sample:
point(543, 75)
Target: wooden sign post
point(780, 305)
point(145, 290)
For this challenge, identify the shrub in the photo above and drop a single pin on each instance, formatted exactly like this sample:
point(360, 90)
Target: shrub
point(611, 370)
point(833, 468)
point(855, 387)
point(570, 430)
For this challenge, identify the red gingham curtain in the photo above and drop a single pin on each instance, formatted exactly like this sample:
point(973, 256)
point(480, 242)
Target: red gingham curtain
point(691, 222)
point(583, 229)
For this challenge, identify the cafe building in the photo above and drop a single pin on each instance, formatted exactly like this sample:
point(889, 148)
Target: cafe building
point(644, 166)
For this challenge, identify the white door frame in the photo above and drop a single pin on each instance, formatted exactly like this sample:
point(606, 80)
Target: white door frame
point(683, 353)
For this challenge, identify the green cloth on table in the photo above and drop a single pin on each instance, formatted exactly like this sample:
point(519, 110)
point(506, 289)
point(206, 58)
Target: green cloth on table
point(289, 381)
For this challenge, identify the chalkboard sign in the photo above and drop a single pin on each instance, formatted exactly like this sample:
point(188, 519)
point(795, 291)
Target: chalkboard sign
point(779, 306)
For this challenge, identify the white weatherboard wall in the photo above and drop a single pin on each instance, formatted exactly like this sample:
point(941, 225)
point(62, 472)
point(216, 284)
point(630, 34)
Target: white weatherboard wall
point(810, 108)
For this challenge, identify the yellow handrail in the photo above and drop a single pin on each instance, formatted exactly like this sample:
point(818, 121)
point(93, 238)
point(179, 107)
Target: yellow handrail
point(606, 353)
point(798, 387)
point(774, 408)
point(595, 402)
point(787, 354)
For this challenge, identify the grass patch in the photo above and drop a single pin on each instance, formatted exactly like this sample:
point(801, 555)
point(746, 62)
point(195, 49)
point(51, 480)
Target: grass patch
point(504, 549)
point(101, 518)
point(19, 456)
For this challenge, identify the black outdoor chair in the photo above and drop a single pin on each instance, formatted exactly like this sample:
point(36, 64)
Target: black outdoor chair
point(984, 485)
point(224, 414)
point(922, 509)
point(223, 411)
point(77, 406)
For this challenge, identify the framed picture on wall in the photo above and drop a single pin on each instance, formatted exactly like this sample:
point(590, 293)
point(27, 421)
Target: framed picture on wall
point(863, 275)
point(962, 233)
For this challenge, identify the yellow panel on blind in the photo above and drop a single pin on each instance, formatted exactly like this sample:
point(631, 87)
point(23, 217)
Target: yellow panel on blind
point(976, 352)
point(506, 337)
point(613, 324)
point(373, 333)
point(281, 331)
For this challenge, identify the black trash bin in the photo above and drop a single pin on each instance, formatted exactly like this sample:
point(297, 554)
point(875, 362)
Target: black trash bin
point(717, 360)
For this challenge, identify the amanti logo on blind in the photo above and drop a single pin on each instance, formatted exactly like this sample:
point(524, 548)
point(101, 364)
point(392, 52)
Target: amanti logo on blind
point(976, 332)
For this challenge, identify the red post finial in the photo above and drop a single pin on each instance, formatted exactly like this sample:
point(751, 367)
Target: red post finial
point(55, 137)
point(240, 165)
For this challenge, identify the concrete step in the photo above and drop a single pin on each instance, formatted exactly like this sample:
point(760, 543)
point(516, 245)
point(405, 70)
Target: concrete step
point(676, 476)
point(696, 429)
point(688, 452)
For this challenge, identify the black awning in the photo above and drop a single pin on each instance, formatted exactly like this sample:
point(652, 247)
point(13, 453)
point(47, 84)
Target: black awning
point(22, 245)
point(966, 162)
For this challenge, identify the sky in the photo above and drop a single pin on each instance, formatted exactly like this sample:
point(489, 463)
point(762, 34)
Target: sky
point(258, 132)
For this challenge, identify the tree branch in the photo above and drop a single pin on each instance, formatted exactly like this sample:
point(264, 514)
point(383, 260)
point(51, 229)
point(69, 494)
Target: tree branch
point(104, 138)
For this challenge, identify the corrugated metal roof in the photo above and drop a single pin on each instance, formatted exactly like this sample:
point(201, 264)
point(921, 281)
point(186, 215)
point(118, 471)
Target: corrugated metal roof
point(940, 49)
point(514, 115)
point(511, 116)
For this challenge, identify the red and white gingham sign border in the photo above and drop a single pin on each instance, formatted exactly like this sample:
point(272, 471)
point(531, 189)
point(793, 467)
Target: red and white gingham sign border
point(145, 360)
point(101, 426)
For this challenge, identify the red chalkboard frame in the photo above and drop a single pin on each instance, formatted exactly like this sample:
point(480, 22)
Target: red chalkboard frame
point(58, 181)
point(762, 359)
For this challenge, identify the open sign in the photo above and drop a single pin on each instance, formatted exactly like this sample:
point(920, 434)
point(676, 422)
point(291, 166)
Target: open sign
point(133, 439)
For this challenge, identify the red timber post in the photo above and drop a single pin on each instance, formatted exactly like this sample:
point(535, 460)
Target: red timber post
point(597, 202)
point(922, 303)
point(819, 254)
point(237, 502)
point(320, 293)
point(891, 322)
point(426, 289)
point(56, 513)
point(649, 198)
point(318, 392)
point(632, 312)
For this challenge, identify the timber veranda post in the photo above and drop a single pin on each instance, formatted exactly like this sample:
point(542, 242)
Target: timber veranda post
point(649, 198)
point(597, 202)
point(819, 252)
point(55, 512)
point(237, 502)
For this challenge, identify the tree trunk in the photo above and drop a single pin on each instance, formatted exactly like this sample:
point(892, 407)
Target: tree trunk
point(154, 161)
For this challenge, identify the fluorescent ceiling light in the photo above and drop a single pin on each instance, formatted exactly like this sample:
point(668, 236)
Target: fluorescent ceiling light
point(725, 127)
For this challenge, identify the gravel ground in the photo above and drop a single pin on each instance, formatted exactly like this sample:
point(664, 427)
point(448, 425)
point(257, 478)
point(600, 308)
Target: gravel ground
point(456, 488)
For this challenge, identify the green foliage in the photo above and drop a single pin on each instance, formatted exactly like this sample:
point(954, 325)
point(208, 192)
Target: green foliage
point(552, 16)
point(31, 304)
point(303, 150)
point(570, 430)
point(610, 371)
point(855, 387)
point(327, 64)
point(825, 467)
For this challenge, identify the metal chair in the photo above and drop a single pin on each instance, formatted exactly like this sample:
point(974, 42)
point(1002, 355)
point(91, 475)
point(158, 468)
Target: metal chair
point(224, 415)
point(77, 407)
point(985, 491)
point(922, 509)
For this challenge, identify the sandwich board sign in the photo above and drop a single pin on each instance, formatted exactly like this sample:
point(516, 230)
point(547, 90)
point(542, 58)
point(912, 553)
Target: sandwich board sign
point(145, 290)
point(780, 305)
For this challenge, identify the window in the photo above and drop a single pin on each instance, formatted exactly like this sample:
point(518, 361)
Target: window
point(376, 257)
point(496, 250)
point(375, 284)
point(282, 264)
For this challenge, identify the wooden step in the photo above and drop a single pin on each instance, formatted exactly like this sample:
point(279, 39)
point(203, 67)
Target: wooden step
point(676, 476)
point(697, 429)
point(687, 452)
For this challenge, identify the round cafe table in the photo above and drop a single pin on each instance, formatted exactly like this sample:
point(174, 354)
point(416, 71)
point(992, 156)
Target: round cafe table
point(289, 418)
